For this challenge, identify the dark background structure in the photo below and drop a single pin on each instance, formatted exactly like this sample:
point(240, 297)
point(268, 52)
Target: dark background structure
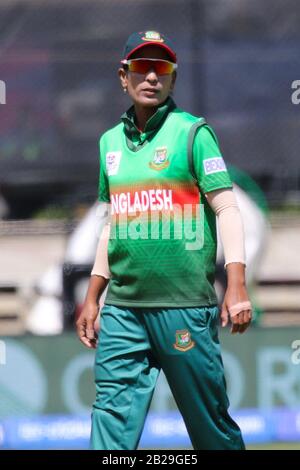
point(237, 61)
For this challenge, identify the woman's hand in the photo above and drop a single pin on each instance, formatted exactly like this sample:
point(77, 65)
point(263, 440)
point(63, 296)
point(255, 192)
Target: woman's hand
point(240, 321)
point(85, 325)
point(236, 293)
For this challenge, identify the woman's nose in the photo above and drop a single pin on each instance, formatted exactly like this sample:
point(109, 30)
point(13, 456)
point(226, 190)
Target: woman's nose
point(151, 75)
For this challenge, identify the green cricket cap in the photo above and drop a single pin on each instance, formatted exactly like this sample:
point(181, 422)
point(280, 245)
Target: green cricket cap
point(146, 38)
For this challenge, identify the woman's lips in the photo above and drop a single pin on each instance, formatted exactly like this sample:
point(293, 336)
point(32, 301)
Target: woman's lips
point(150, 91)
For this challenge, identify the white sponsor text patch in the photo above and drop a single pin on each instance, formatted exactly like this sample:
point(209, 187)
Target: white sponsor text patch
point(214, 165)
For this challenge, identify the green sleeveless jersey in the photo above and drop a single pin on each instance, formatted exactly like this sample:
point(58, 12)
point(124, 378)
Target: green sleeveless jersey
point(162, 248)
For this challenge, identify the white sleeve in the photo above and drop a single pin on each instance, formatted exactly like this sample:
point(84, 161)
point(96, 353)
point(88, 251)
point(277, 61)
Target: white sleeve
point(224, 204)
point(101, 267)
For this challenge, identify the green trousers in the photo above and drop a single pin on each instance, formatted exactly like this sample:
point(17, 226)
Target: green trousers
point(134, 345)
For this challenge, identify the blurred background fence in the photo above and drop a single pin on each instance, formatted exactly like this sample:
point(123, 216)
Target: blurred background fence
point(58, 59)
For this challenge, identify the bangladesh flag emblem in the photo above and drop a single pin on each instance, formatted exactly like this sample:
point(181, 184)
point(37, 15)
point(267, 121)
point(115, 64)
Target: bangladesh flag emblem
point(160, 159)
point(183, 340)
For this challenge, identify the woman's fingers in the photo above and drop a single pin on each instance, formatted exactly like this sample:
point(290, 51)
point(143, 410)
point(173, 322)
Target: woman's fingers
point(224, 315)
point(241, 321)
point(86, 332)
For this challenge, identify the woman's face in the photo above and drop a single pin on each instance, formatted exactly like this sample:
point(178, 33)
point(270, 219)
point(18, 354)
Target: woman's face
point(148, 90)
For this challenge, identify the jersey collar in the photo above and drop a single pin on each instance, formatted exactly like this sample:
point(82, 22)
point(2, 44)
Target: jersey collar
point(136, 139)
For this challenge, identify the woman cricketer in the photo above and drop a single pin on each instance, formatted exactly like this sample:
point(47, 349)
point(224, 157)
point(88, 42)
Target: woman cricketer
point(162, 172)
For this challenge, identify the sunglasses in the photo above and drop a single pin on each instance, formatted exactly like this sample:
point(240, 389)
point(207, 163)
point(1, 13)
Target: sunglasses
point(161, 67)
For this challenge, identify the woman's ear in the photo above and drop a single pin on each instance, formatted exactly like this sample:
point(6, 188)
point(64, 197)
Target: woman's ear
point(174, 76)
point(123, 78)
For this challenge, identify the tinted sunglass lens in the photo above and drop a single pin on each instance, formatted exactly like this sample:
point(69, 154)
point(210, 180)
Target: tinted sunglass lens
point(161, 67)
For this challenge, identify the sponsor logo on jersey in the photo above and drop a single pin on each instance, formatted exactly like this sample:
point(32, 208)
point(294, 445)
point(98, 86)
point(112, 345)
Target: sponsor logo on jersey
point(141, 201)
point(183, 340)
point(152, 36)
point(160, 159)
point(113, 162)
point(214, 165)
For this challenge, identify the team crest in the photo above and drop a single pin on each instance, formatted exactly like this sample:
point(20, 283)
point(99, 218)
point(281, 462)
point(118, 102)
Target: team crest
point(152, 36)
point(183, 340)
point(160, 159)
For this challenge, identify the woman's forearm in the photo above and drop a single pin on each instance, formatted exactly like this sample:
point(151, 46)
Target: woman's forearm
point(224, 204)
point(97, 285)
point(101, 267)
point(235, 274)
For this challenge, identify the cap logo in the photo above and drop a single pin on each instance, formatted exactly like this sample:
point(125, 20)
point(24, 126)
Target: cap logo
point(152, 36)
